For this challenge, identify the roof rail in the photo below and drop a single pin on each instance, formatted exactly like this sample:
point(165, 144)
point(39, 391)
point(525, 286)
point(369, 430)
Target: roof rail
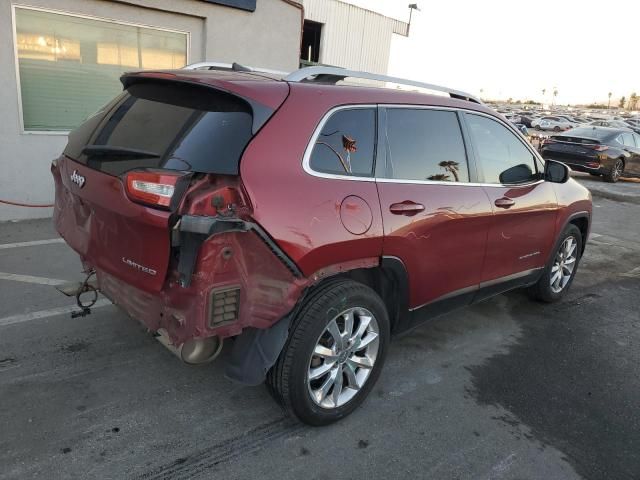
point(335, 74)
point(235, 67)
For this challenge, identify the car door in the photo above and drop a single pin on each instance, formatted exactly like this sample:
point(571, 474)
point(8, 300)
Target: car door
point(434, 220)
point(522, 230)
point(631, 143)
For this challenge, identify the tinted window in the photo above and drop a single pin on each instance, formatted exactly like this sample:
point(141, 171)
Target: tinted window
point(502, 156)
point(179, 127)
point(425, 145)
point(637, 139)
point(346, 143)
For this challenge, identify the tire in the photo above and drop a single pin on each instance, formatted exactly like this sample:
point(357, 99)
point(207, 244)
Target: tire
point(548, 290)
point(537, 127)
point(556, 128)
point(288, 380)
point(613, 175)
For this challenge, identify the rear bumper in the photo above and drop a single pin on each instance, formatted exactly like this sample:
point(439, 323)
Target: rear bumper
point(267, 291)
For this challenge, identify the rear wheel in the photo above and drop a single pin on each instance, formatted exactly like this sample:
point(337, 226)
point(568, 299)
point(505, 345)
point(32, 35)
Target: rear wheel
point(334, 354)
point(559, 273)
point(556, 128)
point(615, 172)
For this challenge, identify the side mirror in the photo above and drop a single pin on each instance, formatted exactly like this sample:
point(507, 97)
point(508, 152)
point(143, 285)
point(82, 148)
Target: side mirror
point(556, 172)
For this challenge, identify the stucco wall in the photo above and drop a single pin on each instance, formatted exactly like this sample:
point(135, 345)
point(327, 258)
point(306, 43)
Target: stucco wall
point(268, 37)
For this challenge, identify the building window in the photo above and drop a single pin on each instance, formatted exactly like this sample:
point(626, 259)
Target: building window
point(69, 66)
point(310, 51)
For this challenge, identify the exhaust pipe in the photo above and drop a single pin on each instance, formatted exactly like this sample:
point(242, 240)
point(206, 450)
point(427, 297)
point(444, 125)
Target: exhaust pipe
point(195, 351)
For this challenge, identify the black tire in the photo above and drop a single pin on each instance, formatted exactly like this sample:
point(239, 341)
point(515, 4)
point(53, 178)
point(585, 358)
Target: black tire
point(613, 175)
point(287, 379)
point(542, 290)
point(556, 128)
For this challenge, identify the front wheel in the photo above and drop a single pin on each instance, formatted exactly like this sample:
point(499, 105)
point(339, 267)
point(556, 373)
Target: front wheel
point(334, 354)
point(559, 273)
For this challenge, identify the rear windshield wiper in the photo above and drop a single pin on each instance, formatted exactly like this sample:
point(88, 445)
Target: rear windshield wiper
point(123, 152)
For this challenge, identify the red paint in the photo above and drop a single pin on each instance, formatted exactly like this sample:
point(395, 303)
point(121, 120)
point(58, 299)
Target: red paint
point(449, 236)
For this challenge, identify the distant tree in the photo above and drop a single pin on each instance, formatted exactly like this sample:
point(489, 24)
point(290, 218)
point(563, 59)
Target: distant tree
point(633, 101)
point(555, 94)
point(622, 102)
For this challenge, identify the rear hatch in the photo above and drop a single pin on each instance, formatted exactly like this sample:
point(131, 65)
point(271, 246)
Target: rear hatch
point(124, 173)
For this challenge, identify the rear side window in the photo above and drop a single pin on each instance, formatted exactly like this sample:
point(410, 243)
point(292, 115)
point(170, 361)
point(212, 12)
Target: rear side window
point(502, 156)
point(346, 144)
point(627, 139)
point(169, 126)
point(425, 145)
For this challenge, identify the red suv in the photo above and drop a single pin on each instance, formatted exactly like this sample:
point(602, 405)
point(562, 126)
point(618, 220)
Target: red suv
point(308, 221)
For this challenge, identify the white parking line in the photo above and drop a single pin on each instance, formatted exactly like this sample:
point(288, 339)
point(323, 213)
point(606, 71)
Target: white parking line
point(32, 243)
point(27, 317)
point(31, 279)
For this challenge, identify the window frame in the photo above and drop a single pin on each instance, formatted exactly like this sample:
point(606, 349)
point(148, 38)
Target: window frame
point(14, 33)
point(538, 163)
point(380, 148)
point(306, 159)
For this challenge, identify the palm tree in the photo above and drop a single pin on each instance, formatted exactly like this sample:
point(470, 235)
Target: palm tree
point(633, 101)
point(622, 102)
point(555, 94)
point(609, 104)
point(451, 167)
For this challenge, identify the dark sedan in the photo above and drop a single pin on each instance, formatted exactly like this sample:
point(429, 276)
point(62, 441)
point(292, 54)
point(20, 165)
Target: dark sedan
point(609, 152)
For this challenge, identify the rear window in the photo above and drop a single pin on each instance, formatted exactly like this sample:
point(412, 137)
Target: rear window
point(164, 125)
point(588, 132)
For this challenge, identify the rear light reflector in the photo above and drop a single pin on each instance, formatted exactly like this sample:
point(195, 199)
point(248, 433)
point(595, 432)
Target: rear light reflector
point(151, 188)
point(600, 148)
point(224, 305)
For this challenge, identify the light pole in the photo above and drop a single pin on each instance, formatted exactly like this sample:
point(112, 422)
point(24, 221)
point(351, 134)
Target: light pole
point(412, 7)
point(609, 104)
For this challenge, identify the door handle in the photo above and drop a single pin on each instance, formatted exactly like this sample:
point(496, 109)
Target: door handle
point(504, 202)
point(406, 208)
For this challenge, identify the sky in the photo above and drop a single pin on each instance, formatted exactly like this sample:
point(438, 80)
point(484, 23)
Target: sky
point(512, 48)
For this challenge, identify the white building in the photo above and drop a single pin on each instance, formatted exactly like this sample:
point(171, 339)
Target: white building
point(60, 60)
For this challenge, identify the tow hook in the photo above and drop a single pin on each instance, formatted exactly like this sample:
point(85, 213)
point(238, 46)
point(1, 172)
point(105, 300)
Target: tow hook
point(77, 289)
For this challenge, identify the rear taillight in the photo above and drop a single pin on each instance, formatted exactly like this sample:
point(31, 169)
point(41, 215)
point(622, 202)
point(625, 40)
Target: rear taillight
point(600, 148)
point(154, 189)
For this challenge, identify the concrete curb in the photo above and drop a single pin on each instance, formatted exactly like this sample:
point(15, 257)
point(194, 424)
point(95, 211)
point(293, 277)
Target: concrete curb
point(618, 197)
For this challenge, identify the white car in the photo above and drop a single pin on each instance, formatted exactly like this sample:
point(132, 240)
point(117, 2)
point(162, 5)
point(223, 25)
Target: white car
point(557, 124)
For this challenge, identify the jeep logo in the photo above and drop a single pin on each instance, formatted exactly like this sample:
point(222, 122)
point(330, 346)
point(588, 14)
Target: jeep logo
point(139, 267)
point(77, 178)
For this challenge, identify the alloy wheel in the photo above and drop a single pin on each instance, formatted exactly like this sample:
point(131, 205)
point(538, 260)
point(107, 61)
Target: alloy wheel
point(617, 169)
point(564, 264)
point(343, 357)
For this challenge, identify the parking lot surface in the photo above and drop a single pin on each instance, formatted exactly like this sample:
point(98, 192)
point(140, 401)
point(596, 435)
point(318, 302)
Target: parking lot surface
point(506, 389)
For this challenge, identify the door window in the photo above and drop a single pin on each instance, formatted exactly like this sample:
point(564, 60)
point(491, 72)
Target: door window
point(346, 144)
point(502, 156)
point(425, 145)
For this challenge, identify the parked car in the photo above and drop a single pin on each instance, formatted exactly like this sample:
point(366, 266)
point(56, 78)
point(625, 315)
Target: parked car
point(605, 151)
point(308, 221)
point(554, 123)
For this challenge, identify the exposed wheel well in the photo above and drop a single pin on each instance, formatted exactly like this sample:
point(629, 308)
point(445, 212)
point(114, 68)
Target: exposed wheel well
point(583, 224)
point(389, 280)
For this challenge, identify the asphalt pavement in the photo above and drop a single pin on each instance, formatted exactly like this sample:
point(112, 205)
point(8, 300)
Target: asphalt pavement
point(506, 389)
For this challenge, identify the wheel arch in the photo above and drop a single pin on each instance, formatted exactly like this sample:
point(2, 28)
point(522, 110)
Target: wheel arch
point(389, 280)
point(582, 221)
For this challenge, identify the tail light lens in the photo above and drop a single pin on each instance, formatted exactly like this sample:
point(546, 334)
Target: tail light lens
point(600, 148)
point(154, 189)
